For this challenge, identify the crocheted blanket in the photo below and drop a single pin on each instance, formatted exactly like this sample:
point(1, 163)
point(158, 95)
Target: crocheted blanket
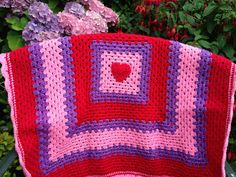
point(119, 105)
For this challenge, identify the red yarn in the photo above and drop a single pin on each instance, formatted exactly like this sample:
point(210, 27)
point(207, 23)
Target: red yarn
point(215, 119)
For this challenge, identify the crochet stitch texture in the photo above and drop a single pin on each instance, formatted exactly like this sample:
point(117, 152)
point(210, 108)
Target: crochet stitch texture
point(119, 105)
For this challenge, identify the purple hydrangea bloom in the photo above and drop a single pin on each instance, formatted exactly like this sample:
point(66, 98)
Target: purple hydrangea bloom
point(46, 35)
point(54, 25)
point(41, 12)
point(75, 9)
point(43, 25)
point(19, 6)
point(5, 3)
point(31, 31)
point(73, 20)
point(37, 32)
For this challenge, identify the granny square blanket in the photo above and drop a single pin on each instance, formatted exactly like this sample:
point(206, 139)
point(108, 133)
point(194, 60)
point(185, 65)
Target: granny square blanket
point(119, 105)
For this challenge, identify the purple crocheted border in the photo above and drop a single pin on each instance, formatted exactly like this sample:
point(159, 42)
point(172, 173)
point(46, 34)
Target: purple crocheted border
point(98, 47)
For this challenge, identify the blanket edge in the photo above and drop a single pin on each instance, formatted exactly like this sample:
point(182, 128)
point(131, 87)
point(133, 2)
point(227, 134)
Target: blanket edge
point(5, 73)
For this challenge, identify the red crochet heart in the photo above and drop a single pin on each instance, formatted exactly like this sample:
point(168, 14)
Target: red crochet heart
point(120, 71)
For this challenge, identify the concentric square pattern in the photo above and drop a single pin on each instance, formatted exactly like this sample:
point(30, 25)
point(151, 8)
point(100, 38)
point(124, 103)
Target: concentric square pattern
point(120, 73)
point(134, 87)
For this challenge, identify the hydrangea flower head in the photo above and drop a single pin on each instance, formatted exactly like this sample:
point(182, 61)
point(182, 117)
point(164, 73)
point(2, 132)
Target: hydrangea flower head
point(75, 9)
point(41, 12)
point(17, 6)
point(43, 25)
point(105, 12)
point(67, 21)
point(97, 21)
point(5, 3)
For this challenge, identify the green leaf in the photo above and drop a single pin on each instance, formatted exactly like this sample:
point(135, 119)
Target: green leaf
point(229, 52)
point(232, 141)
point(12, 20)
point(16, 28)
point(16, 23)
point(225, 7)
point(227, 15)
point(173, 4)
point(228, 27)
point(53, 4)
point(18, 168)
point(211, 26)
point(198, 37)
point(23, 22)
point(143, 29)
point(173, 18)
point(152, 7)
point(210, 8)
point(214, 49)
point(190, 19)
point(198, 16)
point(182, 16)
point(198, 4)
point(229, 171)
point(157, 33)
point(190, 28)
point(221, 41)
point(5, 47)
point(188, 7)
point(14, 40)
point(7, 161)
point(204, 44)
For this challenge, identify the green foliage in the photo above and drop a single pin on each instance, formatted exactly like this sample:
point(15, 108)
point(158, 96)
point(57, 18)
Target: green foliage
point(17, 23)
point(14, 40)
point(6, 143)
point(210, 24)
point(207, 24)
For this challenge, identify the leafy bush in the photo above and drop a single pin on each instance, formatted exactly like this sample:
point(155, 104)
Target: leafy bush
point(209, 24)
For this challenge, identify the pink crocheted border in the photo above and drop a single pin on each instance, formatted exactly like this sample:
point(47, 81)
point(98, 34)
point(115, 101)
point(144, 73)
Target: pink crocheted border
point(232, 89)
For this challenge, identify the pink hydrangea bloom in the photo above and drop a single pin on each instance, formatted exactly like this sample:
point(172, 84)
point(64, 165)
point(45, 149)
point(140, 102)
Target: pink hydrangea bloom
point(46, 35)
point(91, 23)
point(99, 24)
point(67, 21)
point(107, 13)
point(83, 27)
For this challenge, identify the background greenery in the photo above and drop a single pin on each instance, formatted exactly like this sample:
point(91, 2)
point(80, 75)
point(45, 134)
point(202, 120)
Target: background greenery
point(209, 24)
